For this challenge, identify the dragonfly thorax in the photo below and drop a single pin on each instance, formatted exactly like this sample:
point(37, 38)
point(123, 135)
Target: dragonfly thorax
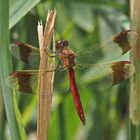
point(67, 57)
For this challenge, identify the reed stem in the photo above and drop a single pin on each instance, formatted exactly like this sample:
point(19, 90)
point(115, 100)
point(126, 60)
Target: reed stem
point(135, 81)
point(45, 80)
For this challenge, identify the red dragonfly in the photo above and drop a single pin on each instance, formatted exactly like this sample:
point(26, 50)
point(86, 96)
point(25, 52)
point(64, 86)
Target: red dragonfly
point(111, 72)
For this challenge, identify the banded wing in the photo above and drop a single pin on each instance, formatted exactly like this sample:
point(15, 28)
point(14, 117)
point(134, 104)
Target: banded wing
point(108, 74)
point(26, 53)
point(30, 55)
point(24, 81)
point(110, 50)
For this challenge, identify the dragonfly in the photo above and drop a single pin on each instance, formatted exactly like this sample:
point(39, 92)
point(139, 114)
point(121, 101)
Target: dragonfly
point(112, 73)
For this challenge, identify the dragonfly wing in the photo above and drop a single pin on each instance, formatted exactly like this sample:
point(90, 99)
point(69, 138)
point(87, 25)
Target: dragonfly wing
point(110, 50)
point(61, 82)
point(26, 53)
point(24, 81)
point(108, 74)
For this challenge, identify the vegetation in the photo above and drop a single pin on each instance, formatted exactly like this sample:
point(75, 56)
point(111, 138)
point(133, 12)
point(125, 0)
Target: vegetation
point(82, 23)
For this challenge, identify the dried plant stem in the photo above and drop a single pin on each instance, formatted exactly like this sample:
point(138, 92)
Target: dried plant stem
point(40, 35)
point(135, 81)
point(45, 79)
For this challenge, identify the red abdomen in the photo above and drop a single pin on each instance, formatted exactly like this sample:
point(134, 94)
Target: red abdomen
point(76, 96)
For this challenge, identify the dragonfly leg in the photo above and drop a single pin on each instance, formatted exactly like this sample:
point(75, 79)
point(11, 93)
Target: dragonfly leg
point(51, 51)
point(49, 71)
point(53, 69)
point(56, 53)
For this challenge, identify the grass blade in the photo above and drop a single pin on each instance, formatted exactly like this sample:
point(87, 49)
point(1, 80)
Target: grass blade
point(18, 9)
point(5, 69)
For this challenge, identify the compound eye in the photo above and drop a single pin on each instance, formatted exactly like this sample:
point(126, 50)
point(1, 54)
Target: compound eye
point(66, 43)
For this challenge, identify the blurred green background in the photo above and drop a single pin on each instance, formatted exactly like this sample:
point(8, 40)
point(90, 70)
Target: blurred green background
point(82, 23)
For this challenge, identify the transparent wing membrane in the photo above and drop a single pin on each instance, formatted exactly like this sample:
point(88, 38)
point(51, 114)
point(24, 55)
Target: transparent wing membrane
point(110, 50)
point(26, 53)
point(107, 74)
point(24, 81)
point(30, 55)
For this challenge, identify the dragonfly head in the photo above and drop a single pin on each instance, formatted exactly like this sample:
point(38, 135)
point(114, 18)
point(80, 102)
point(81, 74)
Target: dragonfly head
point(62, 44)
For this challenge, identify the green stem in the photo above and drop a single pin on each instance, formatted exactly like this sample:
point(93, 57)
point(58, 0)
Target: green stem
point(62, 122)
point(6, 68)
